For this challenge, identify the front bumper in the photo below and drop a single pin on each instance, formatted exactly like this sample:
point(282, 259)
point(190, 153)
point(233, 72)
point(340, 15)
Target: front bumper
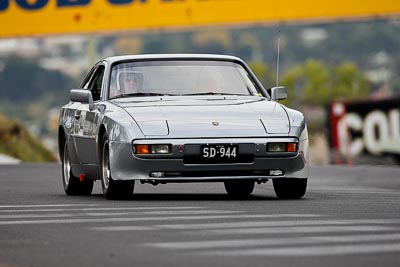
point(126, 166)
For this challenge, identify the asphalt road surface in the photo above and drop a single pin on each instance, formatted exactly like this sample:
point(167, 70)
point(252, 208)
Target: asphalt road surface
point(349, 217)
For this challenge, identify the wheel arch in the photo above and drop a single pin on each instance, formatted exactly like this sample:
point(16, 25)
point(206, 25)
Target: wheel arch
point(61, 137)
point(102, 133)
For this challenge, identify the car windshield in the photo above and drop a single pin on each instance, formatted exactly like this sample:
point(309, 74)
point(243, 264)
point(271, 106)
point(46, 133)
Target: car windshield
point(180, 77)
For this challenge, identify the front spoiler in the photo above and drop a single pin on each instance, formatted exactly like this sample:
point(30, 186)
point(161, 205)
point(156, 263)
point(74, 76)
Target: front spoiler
point(125, 166)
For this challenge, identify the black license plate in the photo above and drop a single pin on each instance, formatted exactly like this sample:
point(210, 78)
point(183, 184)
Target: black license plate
point(218, 152)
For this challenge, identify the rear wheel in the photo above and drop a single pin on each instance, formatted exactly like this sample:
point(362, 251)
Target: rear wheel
point(290, 188)
point(239, 188)
point(113, 189)
point(72, 185)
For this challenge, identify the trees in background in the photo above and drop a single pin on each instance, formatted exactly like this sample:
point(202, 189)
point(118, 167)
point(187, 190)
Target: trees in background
point(28, 91)
point(24, 79)
point(315, 83)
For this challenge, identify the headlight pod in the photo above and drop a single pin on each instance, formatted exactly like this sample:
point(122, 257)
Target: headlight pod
point(160, 149)
point(281, 147)
point(152, 149)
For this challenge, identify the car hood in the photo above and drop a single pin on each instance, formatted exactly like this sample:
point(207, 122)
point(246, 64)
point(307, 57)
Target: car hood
point(216, 117)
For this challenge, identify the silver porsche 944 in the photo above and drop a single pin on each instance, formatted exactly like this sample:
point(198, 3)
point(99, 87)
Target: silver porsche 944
point(180, 118)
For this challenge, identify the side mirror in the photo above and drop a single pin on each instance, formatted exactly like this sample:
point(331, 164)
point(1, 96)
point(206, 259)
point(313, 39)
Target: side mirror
point(83, 96)
point(278, 93)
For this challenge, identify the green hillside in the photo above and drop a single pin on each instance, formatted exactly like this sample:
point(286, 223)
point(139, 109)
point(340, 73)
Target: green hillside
point(16, 141)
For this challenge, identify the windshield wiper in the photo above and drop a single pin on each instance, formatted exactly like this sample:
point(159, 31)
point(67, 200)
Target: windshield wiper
point(212, 93)
point(141, 94)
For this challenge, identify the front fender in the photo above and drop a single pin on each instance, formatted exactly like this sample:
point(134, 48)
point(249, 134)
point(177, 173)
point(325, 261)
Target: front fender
point(298, 127)
point(120, 126)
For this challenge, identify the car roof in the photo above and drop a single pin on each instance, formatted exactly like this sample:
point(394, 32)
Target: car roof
point(114, 59)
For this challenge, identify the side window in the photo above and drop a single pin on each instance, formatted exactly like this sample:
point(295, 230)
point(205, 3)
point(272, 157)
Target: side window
point(96, 83)
point(85, 83)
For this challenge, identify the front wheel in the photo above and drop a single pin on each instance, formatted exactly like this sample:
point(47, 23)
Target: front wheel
point(290, 188)
point(113, 189)
point(239, 188)
point(72, 185)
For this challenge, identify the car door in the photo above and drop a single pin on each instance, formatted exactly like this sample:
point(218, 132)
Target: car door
point(86, 119)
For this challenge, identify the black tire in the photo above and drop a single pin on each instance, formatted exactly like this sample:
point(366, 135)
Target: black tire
point(239, 188)
point(113, 189)
point(72, 185)
point(290, 188)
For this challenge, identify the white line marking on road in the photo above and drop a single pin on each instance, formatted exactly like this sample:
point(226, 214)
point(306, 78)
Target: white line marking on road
point(124, 228)
point(115, 214)
point(102, 220)
point(299, 229)
point(311, 250)
point(100, 209)
point(45, 205)
point(225, 225)
point(190, 212)
point(63, 215)
point(246, 243)
point(101, 214)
